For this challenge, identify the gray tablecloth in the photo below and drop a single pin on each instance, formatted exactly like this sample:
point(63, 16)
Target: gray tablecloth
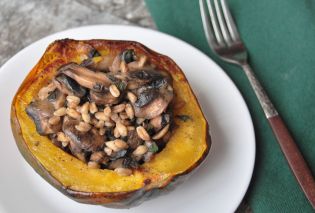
point(25, 21)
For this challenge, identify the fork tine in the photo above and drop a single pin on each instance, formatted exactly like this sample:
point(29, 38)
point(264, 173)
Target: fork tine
point(229, 21)
point(215, 25)
point(222, 24)
point(207, 25)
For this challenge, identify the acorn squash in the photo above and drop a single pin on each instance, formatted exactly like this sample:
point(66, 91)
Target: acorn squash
point(186, 149)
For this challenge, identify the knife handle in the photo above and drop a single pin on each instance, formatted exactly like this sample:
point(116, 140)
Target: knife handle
point(294, 157)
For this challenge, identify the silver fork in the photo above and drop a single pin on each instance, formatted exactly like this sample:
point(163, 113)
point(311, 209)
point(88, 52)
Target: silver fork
point(224, 39)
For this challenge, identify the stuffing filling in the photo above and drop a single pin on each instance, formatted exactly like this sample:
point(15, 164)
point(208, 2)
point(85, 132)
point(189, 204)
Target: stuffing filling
point(110, 112)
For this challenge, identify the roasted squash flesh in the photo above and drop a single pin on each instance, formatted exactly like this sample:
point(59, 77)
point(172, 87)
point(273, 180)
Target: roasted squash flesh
point(185, 150)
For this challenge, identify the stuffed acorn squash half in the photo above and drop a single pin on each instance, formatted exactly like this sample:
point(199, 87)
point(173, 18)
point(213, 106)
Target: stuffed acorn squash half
point(108, 122)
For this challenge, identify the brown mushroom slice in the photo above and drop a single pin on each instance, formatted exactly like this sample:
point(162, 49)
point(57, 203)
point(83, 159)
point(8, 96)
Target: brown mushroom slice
point(139, 78)
point(154, 108)
point(145, 96)
point(95, 81)
point(139, 64)
point(126, 56)
point(115, 66)
point(76, 151)
point(53, 138)
point(57, 98)
point(90, 141)
point(152, 102)
point(69, 86)
point(160, 121)
point(103, 97)
point(125, 162)
point(133, 139)
point(116, 164)
point(45, 91)
point(40, 112)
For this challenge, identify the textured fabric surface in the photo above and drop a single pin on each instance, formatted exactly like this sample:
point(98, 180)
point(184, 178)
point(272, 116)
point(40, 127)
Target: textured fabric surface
point(26, 21)
point(280, 37)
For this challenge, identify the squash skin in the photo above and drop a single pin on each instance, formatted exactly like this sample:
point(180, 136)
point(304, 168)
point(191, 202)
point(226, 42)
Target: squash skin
point(64, 51)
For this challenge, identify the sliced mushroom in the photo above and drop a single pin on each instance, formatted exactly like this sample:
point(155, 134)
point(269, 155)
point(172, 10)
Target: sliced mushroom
point(139, 64)
point(126, 162)
point(159, 83)
point(128, 56)
point(40, 112)
point(46, 91)
point(145, 96)
point(57, 98)
point(139, 78)
point(86, 141)
point(53, 138)
point(160, 121)
point(69, 86)
point(152, 102)
point(125, 56)
point(115, 66)
point(103, 97)
point(155, 108)
point(95, 81)
point(130, 163)
point(116, 164)
point(133, 139)
point(119, 154)
point(154, 95)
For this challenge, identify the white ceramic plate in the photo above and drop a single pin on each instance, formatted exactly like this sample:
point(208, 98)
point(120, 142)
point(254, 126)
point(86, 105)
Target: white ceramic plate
point(218, 185)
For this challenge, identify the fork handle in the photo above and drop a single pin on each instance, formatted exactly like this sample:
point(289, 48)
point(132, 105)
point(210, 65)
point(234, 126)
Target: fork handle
point(292, 153)
point(294, 157)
